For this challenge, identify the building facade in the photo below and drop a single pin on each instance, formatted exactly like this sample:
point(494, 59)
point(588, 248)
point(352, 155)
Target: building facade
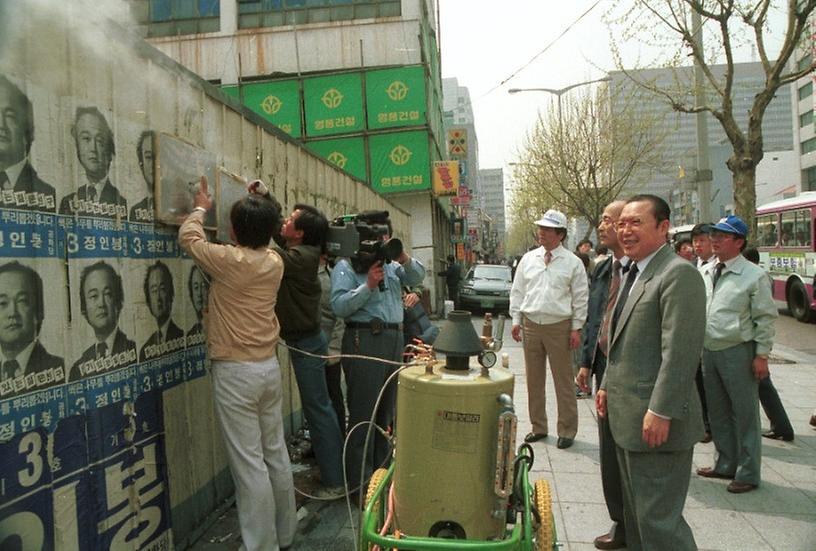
point(357, 82)
point(676, 181)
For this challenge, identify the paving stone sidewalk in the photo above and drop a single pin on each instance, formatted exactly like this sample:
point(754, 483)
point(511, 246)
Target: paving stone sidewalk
point(780, 515)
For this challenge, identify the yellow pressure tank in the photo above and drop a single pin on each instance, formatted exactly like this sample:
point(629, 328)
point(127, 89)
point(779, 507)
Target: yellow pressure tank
point(447, 439)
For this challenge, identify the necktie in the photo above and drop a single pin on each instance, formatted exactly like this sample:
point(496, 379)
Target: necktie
point(10, 368)
point(5, 183)
point(91, 193)
point(717, 274)
point(612, 299)
point(159, 338)
point(630, 280)
point(547, 258)
point(101, 350)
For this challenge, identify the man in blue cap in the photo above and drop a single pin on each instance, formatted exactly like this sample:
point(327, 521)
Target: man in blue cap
point(739, 337)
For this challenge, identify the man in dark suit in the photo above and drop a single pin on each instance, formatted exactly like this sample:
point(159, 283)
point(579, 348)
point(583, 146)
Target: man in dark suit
point(159, 294)
point(657, 331)
point(452, 275)
point(20, 187)
point(101, 297)
point(144, 210)
point(97, 196)
point(593, 362)
point(199, 288)
point(25, 365)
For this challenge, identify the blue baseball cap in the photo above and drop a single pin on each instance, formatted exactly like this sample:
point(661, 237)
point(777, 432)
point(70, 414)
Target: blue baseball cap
point(731, 224)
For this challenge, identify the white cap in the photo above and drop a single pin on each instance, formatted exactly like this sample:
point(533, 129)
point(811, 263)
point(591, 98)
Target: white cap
point(553, 219)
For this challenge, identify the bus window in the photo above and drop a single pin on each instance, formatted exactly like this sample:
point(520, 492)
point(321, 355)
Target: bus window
point(788, 224)
point(766, 230)
point(803, 228)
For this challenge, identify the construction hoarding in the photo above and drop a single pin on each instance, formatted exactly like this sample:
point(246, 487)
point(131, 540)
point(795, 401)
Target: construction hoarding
point(400, 162)
point(333, 104)
point(277, 101)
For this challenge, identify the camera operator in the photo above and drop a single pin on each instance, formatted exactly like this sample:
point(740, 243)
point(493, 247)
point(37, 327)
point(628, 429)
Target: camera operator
point(301, 241)
point(371, 303)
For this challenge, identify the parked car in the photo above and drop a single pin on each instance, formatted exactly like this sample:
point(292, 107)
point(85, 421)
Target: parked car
point(486, 287)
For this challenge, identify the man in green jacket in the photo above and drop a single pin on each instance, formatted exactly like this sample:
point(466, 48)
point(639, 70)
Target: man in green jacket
point(739, 337)
point(300, 243)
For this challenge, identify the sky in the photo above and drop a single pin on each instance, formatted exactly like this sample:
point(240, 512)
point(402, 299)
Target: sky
point(483, 43)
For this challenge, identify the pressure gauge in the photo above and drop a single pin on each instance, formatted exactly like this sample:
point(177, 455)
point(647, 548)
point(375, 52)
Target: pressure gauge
point(487, 359)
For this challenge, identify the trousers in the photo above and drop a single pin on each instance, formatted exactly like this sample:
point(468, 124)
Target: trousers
point(543, 342)
point(248, 399)
point(324, 428)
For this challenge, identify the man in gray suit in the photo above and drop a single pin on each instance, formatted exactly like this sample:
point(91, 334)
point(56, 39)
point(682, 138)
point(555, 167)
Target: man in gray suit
point(648, 389)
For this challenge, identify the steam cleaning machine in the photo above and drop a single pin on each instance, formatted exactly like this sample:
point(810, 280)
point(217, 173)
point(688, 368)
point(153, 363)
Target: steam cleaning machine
point(457, 481)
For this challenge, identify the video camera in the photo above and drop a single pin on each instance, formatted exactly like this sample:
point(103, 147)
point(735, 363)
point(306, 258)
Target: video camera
point(359, 238)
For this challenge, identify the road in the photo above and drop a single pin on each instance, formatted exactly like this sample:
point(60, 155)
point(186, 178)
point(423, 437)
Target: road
point(795, 334)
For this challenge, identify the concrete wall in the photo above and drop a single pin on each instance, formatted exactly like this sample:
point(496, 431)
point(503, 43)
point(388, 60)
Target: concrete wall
point(297, 49)
point(150, 492)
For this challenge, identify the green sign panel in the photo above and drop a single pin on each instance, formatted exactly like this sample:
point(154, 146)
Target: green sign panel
point(396, 97)
point(399, 162)
point(333, 104)
point(278, 102)
point(346, 153)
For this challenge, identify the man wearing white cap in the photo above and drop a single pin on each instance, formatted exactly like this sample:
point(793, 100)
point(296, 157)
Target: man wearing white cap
point(548, 304)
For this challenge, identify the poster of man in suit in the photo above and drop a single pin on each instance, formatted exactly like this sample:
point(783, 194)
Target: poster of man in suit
point(20, 187)
point(198, 286)
point(159, 293)
point(143, 211)
point(96, 196)
point(101, 297)
point(25, 365)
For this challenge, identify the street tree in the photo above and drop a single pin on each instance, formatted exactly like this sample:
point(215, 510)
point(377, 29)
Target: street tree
point(583, 154)
point(674, 28)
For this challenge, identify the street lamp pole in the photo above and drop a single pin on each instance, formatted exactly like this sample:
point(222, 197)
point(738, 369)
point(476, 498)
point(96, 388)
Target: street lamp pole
point(558, 92)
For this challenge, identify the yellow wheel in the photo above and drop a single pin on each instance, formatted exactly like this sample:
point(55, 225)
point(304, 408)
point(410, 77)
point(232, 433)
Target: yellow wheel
point(376, 479)
point(543, 504)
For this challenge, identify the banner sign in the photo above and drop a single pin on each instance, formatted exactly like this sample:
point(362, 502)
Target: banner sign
point(457, 143)
point(277, 101)
point(399, 162)
point(333, 104)
point(346, 153)
point(396, 97)
point(445, 178)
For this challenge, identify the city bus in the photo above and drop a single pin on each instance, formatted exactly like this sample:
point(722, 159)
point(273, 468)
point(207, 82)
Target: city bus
point(787, 250)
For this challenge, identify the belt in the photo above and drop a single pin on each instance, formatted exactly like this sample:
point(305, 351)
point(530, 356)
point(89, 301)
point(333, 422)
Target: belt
point(373, 325)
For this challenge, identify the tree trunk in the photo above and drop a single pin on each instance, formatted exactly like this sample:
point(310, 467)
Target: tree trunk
point(744, 179)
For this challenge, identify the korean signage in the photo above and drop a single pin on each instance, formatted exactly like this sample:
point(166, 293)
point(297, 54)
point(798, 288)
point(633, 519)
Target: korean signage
point(277, 101)
point(399, 162)
point(346, 153)
point(333, 104)
point(396, 97)
point(787, 263)
point(445, 177)
point(458, 232)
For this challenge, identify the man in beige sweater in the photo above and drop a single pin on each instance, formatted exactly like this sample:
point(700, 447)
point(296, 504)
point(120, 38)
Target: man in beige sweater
point(242, 335)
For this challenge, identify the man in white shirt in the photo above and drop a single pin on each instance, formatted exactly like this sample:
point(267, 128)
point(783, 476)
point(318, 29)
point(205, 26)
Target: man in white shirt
point(548, 305)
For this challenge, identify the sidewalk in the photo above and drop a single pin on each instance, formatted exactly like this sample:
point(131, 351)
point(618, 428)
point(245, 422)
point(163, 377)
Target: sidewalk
point(780, 515)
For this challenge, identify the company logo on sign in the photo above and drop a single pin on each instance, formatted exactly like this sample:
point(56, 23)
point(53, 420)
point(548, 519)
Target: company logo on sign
point(397, 90)
point(332, 98)
point(338, 159)
point(271, 105)
point(400, 155)
point(457, 142)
